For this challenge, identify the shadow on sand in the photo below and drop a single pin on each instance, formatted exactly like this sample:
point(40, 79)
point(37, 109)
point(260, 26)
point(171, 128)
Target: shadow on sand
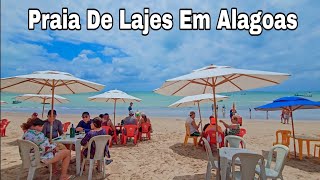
point(193, 177)
point(189, 151)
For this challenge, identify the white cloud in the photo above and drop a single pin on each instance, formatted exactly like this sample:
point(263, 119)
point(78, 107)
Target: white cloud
point(161, 54)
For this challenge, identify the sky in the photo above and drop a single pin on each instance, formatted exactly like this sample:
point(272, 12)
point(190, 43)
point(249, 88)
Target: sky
point(129, 61)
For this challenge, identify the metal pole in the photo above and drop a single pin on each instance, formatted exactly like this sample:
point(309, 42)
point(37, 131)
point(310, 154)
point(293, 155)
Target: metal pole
point(294, 137)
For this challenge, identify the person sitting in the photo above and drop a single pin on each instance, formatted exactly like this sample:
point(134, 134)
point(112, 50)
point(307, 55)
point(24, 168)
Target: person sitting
point(192, 124)
point(234, 128)
point(130, 120)
point(27, 125)
point(49, 153)
point(138, 116)
point(96, 130)
point(57, 127)
point(106, 121)
point(209, 127)
point(85, 124)
point(144, 119)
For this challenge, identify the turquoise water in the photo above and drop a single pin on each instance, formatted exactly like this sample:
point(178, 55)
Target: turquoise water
point(157, 105)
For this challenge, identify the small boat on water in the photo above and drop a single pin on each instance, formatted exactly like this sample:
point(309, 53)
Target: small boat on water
point(16, 102)
point(309, 94)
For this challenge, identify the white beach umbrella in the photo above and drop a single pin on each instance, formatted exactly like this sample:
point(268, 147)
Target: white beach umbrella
point(196, 100)
point(217, 79)
point(42, 98)
point(114, 96)
point(48, 82)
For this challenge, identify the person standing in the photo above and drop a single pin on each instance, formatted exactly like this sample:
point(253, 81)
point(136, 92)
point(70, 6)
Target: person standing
point(130, 107)
point(224, 111)
point(250, 112)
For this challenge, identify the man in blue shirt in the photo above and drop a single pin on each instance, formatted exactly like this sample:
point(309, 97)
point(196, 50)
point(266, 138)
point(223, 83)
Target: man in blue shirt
point(85, 123)
point(130, 107)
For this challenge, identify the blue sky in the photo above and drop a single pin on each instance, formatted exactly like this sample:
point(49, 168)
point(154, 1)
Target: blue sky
point(128, 61)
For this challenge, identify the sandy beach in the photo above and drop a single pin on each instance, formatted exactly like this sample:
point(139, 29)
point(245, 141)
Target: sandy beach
point(164, 156)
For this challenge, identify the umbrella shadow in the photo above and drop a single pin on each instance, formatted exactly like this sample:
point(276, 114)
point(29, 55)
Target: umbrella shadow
point(193, 177)
point(310, 164)
point(189, 151)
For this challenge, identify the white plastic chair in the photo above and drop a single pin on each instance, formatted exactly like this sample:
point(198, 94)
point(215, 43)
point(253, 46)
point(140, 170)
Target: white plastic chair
point(276, 172)
point(30, 160)
point(234, 141)
point(212, 164)
point(248, 165)
point(100, 143)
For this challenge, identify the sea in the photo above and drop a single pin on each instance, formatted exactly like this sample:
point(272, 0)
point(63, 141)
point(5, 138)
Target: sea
point(156, 105)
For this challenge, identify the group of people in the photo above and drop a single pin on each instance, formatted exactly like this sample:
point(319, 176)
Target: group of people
point(38, 132)
point(230, 129)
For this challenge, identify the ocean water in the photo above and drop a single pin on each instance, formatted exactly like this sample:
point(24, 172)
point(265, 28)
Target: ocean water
point(157, 105)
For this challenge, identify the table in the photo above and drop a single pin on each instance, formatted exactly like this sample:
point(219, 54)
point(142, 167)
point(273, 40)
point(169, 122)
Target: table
point(306, 138)
point(76, 141)
point(226, 154)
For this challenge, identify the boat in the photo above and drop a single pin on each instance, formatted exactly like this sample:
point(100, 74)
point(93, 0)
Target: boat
point(16, 102)
point(309, 94)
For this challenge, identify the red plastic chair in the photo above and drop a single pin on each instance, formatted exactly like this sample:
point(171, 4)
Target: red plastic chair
point(242, 132)
point(131, 131)
point(3, 126)
point(114, 136)
point(213, 140)
point(66, 126)
point(145, 129)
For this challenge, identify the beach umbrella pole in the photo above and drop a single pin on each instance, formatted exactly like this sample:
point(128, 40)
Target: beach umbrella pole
point(294, 138)
point(216, 116)
point(114, 112)
point(52, 100)
point(199, 114)
point(44, 102)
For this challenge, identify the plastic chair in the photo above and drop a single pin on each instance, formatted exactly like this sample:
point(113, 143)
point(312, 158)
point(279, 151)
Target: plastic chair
point(188, 135)
point(66, 126)
point(276, 172)
point(129, 131)
point(212, 164)
point(248, 165)
point(30, 160)
point(100, 143)
point(3, 126)
point(145, 129)
point(114, 137)
point(234, 141)
point(315, 148)
point(242, 132)
point(211, 137)
point(285, 137)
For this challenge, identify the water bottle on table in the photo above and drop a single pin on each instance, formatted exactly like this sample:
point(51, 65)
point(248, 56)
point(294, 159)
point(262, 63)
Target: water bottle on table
point(72, 132)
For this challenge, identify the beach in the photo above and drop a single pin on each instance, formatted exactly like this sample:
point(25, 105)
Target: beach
point(164, 156)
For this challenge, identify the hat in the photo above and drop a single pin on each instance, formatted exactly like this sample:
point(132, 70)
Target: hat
point(131, 112)
point(37, 122)
point(54, 112)
point(35, 114)
point(137, 114)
